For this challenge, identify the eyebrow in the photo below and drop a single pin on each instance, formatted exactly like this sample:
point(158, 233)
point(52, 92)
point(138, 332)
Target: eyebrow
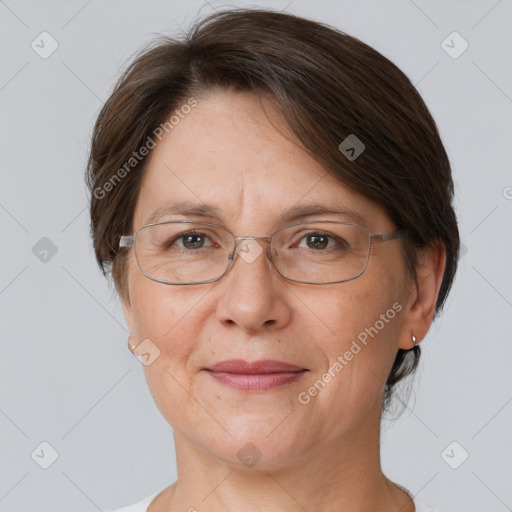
point(207, 211)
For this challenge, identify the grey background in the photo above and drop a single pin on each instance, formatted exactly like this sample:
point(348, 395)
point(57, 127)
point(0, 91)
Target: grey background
point(66, 375)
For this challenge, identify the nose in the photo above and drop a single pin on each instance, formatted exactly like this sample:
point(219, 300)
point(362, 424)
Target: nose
point(253, 295)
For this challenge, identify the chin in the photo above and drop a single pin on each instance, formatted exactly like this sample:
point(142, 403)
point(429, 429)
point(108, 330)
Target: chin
point(257, 445)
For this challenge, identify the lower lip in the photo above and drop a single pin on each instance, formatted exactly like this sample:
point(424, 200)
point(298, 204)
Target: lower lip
point(257, 381)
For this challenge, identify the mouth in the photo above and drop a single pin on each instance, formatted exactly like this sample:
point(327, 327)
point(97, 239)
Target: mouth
point(260, 375)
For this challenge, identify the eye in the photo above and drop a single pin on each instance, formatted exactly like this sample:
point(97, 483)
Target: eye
point(322, 241)
point(191, 240)
point(317, 241)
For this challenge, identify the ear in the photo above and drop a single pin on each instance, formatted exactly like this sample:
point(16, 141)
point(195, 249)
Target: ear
point(128, 316)
point(423, 294)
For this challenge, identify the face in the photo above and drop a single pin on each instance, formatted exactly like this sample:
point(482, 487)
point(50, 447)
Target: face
point(228, 153)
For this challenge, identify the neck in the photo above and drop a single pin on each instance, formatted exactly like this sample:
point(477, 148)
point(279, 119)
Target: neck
point(344, 474)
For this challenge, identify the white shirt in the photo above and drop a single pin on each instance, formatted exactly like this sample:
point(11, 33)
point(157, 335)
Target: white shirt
point(142, 506)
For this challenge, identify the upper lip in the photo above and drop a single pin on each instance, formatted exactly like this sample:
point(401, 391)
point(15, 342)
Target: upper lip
point(254, 367)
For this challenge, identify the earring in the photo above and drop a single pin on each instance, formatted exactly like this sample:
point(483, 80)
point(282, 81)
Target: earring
point(414, 340)
point(132, 345)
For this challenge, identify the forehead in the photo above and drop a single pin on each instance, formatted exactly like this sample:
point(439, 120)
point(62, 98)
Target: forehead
point(237, 155)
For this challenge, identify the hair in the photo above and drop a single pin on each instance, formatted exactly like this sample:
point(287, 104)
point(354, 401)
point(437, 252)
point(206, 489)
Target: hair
point(327, 84)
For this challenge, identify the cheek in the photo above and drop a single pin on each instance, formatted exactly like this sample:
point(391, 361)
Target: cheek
point(156, 308)
point(360, 307)
point(166, 376)
point(171, 318)
point(364, 319)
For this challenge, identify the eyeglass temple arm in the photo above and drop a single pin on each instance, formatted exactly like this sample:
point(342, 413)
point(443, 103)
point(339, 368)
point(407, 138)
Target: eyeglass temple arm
point(384, 237)
point(127, 241)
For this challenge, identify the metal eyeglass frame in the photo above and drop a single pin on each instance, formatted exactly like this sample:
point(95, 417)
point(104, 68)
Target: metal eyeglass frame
point(130, 241)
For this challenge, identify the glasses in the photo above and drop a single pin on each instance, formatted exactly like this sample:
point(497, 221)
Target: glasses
point(316, 252)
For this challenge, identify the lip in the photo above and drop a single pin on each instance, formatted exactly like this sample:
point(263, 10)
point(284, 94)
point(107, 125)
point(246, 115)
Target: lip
point(251, 367)
point(260, 375)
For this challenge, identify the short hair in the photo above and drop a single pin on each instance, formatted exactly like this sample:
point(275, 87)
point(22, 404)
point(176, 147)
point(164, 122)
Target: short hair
point(327, 84)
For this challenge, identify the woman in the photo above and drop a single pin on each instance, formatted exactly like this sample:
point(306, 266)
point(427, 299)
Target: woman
point(273, 201)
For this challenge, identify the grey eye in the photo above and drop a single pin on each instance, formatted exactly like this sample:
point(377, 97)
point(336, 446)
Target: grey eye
point(193, 241)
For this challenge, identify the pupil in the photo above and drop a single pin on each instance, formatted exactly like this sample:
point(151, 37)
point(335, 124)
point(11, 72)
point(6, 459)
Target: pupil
point(193, 241)
point(317, 241)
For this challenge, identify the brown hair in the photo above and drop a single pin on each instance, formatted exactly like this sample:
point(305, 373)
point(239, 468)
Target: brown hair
point(327, 84)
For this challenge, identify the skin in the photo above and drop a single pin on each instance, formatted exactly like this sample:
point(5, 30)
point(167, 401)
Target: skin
point(323, 456)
